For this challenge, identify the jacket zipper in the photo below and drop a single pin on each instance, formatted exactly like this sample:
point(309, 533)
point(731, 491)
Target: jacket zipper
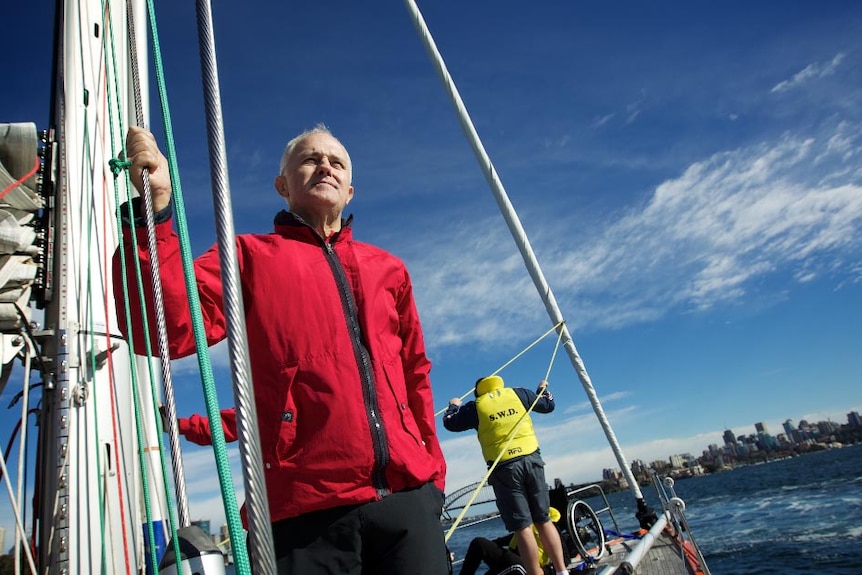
point(363, 362)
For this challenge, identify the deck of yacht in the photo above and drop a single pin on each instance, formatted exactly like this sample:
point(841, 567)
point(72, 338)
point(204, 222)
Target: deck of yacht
point(663, 558)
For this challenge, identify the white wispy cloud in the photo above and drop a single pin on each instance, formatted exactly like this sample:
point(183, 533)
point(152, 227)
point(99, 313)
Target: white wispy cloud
point(810, 72)
point(204, 491)
point(599, 122)
point(793, 205)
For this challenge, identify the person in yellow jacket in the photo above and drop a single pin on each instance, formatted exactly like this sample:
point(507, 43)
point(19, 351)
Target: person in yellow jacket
point(501, 554)
point(500, 415)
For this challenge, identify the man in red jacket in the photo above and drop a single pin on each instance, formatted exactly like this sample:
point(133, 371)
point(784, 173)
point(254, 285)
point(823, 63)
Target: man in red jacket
point(353, 467)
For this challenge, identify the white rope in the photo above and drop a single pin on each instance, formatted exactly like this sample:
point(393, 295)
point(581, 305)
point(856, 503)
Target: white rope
point(22, 442)
point(511, 361)
point(20, 532)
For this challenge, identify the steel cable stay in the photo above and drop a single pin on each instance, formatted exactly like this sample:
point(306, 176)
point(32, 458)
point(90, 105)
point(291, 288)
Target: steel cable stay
point(509, 437)
point(259, 531)
point(228, 497)
point(260, 534)
point(95, 358)
point(644, 513)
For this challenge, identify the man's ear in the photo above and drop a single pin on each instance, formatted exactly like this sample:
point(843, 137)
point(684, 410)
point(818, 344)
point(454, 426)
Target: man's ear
point(281, 186)
point(349, 194)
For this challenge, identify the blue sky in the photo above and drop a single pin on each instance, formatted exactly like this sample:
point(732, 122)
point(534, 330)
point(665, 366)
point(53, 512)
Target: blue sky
point(689, 175)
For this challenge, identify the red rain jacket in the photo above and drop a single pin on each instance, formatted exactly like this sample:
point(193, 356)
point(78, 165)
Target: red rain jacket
point(337, 355)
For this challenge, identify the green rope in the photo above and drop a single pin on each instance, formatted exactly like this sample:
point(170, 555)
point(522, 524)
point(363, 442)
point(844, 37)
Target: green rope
point(87, 184)
point(241, 562)
point(117, 166)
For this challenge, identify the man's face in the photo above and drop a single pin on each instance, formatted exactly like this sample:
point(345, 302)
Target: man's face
point(317, 179)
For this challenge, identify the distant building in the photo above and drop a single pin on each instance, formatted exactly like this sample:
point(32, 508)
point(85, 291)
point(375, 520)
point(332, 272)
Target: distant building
point(789, 429)
point(2, 539)
point(766, 441)
point(760, 427)
point(827, 427)
point(615, 477)
point(682, 460)
point(853, 419)
point(729, 437)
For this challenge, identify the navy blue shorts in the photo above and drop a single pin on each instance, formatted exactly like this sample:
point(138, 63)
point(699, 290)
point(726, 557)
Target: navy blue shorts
point(522, 492)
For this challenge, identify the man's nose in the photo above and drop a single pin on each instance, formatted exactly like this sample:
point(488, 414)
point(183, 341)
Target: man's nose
point(324, 167)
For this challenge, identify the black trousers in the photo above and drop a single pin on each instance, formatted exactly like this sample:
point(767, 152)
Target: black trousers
point(497, 557)
point(400, 533)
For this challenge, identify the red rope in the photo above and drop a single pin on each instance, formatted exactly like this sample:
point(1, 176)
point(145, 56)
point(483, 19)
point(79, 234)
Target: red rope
point(107, 23)
point(22, 179)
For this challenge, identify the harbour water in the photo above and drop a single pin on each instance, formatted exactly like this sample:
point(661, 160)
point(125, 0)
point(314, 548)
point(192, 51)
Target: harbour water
point(796, 516)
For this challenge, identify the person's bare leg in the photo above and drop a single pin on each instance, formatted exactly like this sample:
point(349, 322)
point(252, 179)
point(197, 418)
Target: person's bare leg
point(528, 550)
point(553, 546)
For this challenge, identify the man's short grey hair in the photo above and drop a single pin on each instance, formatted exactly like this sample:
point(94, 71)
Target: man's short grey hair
point(320, 128)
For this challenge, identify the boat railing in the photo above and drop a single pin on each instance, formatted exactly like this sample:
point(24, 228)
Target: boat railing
point(591, 492)
point(674, 507)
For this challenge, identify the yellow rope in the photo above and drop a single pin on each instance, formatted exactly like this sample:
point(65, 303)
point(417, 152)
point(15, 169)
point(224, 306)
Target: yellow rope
point(508, 363)
point(509, 437)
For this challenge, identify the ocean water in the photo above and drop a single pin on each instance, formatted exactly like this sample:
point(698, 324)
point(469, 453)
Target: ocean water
point(796, 516)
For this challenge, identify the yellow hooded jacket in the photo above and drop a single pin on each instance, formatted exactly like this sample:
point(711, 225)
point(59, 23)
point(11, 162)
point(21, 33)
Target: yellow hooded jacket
point(500, 409)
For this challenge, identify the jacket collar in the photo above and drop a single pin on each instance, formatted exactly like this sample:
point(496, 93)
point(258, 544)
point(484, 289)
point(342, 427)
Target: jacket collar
point(289, 224)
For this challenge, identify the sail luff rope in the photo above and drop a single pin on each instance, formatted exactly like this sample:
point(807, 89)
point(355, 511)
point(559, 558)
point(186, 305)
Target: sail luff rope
point(509, 438)
point(521, 240)
point(257, 507)
point(507, 364)
point(241, 559)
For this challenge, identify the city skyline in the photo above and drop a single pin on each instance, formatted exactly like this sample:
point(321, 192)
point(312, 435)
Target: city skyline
point(761, 440)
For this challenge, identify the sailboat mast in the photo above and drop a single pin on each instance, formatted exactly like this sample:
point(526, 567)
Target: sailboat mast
point(521, 240)
point(91, 507)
